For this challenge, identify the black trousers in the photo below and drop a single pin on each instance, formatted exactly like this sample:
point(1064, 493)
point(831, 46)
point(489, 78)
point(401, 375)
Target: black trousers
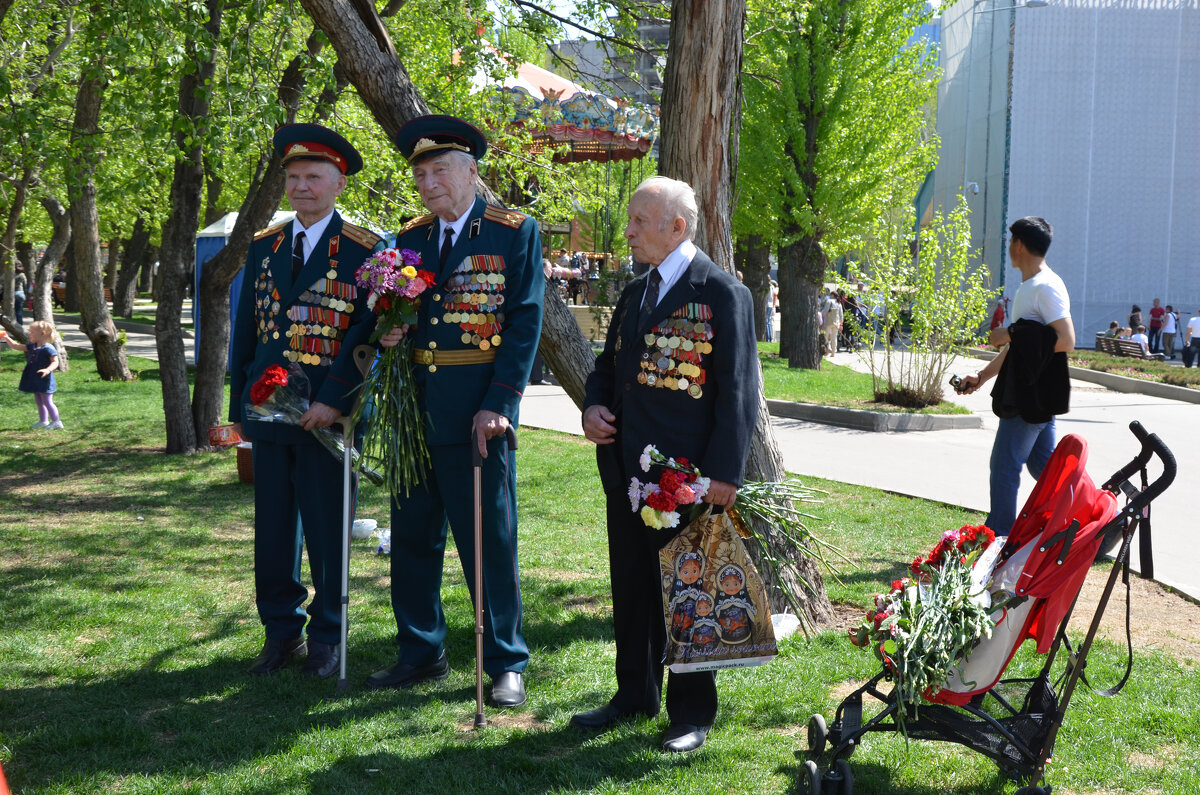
point(639, 625)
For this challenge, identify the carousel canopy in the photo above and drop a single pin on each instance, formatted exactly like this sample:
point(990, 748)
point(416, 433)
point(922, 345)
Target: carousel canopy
point(577, 123)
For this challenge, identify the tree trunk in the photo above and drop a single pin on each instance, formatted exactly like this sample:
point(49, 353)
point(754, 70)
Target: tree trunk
point(146, 280)
point(212, 358)
point(43, 307)
point(95, 320)
point(179, 239)
point(755, 264)
point(9, 239)
point(135, 251)
point(701, 104)
point(801, 275)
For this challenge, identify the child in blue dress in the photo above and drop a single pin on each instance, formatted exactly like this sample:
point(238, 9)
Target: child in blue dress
point(41, 360)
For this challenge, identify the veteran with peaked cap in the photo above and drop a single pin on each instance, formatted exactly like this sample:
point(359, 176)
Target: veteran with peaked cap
point(679, 370)
point(474, 343)
point(299, 308)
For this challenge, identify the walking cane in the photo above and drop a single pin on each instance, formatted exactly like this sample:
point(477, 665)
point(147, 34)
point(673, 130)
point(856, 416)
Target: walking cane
point(477, 467)
point(364, 357)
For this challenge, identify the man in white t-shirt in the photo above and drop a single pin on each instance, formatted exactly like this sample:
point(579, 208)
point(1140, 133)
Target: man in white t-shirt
point(1139, 336)
point(1170, 324)
point(1041, 298)
point(1191, 341)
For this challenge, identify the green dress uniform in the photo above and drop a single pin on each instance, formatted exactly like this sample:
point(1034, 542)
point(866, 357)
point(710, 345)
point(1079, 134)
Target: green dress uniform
point(310, 327)
point(473, 347)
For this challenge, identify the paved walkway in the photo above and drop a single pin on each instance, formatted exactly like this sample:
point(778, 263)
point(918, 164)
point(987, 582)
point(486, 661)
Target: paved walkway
point(948, 466)
point(952, 466)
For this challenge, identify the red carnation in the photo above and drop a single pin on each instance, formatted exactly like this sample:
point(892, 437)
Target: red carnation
point(427, 277)
point(271, 379)
point(660, 501)
point(670, 482)
point(685, 495)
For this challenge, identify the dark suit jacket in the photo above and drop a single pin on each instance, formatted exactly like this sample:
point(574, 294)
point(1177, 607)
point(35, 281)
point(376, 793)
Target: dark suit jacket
point(712, 430)
point(1034, 382)
point(260, 332)
point(495, 241)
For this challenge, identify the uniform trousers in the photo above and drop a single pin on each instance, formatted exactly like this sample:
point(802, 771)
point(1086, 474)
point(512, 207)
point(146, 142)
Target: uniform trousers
point(420, 520)
point(639, 624)
point(298, 498)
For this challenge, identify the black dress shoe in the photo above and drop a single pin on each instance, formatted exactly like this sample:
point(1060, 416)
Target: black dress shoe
point(679, 738)
point(508, 690)
point(601, 717)
point(275, 654)
point(324, 660)
point(403, 675)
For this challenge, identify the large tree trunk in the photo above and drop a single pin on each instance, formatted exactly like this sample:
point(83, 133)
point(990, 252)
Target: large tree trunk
point(753, 260)
point(369, 60)
point(701, 103)
point(212, 359)
point(135, 251)
point(179, 240)
point(701, 107)
point(9, 239)
point(95, 320)
point(43, 307)
point(801, 276)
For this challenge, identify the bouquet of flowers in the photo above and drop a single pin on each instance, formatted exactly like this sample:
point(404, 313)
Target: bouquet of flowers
point(681, 484)
point(395, 438)
point(273, 400)
point(928, 624)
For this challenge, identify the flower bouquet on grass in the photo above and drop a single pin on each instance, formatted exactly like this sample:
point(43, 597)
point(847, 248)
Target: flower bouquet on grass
point(276, 397)
point(926, 626)
point(681, 484)
point(395, 437)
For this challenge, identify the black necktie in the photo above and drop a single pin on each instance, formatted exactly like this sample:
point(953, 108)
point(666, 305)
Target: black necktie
point(297, 257)
point(650, 301)
point(447, 244)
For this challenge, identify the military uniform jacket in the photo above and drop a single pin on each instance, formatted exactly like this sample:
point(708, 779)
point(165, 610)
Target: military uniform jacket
point(686, 382)
point(488, 296)
point(312, 325)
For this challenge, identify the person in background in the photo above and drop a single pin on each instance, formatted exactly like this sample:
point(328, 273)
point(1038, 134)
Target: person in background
point(1156, 324)
point(1139, 336)
point(1035, 347)
point(1191, 341)
point(20, 285)
point(1135, 316)
point(1114, 328)
point(1170, 325)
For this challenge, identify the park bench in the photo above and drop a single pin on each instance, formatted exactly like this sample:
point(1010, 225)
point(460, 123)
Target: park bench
point(60, 293)
point(1126, 348)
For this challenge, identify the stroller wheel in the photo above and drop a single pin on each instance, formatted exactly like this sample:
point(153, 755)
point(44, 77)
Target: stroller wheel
point(818, 735)
point(839, 780)
point(808, 779)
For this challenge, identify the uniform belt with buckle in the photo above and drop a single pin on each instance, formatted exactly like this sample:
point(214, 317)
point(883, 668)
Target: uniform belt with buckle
point(442, 358)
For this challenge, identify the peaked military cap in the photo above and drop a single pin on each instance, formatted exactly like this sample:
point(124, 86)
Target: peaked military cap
point(314, 142)
point(427, 135)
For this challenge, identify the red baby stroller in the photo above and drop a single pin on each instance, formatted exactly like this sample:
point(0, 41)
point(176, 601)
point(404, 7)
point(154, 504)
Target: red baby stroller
point(1058, 534)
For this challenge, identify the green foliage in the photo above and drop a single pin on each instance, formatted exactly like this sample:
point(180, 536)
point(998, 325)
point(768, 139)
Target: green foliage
point(943, 299)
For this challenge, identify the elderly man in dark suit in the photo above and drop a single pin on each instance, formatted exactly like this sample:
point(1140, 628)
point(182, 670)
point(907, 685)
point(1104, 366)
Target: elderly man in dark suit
point(474, 342)
point(299, 308)
point(680, 371)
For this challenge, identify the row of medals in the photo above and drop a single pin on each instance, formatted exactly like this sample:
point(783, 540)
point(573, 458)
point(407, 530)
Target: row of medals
point(690, 338)
point(484, 304)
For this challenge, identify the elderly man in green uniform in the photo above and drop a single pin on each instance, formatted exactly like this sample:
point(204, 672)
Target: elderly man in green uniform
point(299, 308)
point(474, 344)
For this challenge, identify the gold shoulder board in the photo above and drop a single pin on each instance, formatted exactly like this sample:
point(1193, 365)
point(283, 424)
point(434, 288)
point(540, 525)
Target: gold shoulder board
point(364, 237)
point(420, 220)
point(510, 218)
point(270, 230)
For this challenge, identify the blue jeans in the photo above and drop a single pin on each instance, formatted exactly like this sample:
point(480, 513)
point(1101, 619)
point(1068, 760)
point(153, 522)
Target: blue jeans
point(1018, 443)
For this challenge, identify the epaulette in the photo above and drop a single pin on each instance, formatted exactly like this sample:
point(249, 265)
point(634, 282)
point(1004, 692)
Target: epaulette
point(364, 237)
point(420, 220)
point(510, 218)
point(270, 230)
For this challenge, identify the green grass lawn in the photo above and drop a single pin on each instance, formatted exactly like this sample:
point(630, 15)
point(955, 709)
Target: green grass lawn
point(1137, 368)
point(127, 620)
point(832, 385)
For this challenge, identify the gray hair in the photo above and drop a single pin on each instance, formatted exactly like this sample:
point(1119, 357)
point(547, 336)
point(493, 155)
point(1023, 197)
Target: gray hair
point(677, 198)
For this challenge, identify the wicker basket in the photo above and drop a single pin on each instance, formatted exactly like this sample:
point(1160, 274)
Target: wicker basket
point(245, 462)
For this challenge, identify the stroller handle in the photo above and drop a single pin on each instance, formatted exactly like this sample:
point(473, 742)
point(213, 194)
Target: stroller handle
point(1151, 445)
